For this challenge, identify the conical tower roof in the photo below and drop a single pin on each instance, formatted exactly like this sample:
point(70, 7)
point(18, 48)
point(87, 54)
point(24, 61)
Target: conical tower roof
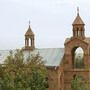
point(78, 19)
point(29, 32)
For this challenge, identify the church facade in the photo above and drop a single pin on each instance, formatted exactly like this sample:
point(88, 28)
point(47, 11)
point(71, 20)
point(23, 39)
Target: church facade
point(62, 64)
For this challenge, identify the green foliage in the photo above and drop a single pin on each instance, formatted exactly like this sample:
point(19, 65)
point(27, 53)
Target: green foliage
point(16, 74)
point(78, 83)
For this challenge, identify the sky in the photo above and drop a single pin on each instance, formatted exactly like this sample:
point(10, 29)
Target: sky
point(51, 21)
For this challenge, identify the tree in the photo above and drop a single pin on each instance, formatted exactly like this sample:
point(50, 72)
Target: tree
point(78, 83)
point(16, 74)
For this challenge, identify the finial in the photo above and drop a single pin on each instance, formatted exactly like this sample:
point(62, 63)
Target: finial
point(77, 10)
point(29, 22)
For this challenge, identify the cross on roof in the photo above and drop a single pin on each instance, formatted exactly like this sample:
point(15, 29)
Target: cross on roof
point(29, 22)
point(77, 10)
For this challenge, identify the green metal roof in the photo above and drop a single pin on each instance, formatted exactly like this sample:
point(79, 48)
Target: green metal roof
point(51, 56)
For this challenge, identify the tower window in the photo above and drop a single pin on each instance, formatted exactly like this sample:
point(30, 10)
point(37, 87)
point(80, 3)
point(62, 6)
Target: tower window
point(29, 41)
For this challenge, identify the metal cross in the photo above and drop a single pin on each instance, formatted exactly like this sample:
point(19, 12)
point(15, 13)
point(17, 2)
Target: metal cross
point(29, 22)
point(78, 10)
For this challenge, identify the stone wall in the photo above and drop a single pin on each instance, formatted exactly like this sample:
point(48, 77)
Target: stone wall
point(54, 79)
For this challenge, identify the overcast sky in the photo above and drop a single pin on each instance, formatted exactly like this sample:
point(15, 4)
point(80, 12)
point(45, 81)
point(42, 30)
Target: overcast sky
point(51, 21)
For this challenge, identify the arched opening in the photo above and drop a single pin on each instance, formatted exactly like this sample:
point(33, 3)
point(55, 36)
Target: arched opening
point(79, 33)
point(29, 42)
point(78, 57)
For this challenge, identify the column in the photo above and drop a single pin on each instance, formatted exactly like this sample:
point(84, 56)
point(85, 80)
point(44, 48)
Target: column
point(27, 42)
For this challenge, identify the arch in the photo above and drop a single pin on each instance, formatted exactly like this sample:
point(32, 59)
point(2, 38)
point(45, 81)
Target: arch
point(77, 57)
point(29, 42)
point(26, 41)
point(79, 33)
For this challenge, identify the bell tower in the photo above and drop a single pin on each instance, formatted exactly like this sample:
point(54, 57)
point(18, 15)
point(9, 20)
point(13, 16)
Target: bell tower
point(78, 27)
point(29, 39)
point(77, 54)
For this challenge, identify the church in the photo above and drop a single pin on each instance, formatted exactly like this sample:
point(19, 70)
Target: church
point(62, 63)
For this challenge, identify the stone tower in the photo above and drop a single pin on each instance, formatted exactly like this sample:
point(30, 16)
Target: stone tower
point(29, 39)
point(78, 40)
point(78, 27)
